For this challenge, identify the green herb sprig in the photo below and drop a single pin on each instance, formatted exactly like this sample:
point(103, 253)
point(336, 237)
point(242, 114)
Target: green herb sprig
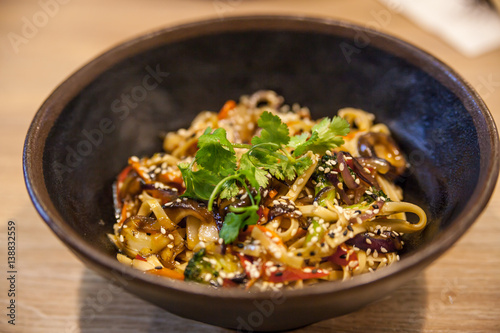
point(215, 171)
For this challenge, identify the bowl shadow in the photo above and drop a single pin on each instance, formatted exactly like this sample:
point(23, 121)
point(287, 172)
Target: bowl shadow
point(106, 306)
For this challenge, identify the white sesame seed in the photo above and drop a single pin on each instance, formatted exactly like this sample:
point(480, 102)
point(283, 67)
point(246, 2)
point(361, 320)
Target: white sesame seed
point(171, 236)
point(383, 250)
point(341, 167)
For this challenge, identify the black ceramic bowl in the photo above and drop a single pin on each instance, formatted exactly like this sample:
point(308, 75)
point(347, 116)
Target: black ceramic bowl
point(118, 104)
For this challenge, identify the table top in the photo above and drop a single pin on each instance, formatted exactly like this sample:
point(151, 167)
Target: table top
point(56, 293)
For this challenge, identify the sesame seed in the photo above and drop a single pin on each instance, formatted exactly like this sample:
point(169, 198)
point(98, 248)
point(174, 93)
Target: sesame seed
point(383, 249)
point(321, 168)
point(368, 241)
point(122, 239)
point(341, 167)
point(375, 254)
point(170, 246)
point(368, 251)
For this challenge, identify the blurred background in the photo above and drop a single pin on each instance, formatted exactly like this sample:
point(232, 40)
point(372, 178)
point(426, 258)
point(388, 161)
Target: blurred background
point(43, 41)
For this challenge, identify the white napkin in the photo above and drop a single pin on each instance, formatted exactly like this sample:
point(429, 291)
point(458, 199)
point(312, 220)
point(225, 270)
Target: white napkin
point(471, 28)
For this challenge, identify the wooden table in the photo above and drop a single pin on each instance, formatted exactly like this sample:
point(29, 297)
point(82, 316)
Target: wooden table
point(460, 292)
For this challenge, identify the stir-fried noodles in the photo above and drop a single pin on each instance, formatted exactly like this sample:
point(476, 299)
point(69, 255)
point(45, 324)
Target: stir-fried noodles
point(261, 195)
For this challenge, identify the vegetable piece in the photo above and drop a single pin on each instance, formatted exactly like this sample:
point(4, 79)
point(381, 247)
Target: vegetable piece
point(294, 274)
point(390, 243)
point(343, 256)
point(224, 111)
point(166, 272)
point(207, 268)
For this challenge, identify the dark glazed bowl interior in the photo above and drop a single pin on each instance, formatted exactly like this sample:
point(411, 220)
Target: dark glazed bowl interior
point(118, 104)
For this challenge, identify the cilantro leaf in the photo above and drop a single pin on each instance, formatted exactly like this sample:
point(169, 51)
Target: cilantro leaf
point(199, 184)
point(234, 222)
point(257, 177)
point(273, 131)
point(216, 153)
point(297, 140)
point(325, 135)
point(230, 190)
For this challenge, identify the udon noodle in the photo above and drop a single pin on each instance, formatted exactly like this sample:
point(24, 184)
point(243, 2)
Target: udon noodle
point(341, 216)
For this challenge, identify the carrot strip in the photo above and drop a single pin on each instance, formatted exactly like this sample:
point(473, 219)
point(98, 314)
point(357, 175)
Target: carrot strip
point(224, 111)
point(166, 272)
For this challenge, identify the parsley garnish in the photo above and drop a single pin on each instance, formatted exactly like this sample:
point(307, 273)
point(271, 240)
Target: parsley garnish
point(215, 171)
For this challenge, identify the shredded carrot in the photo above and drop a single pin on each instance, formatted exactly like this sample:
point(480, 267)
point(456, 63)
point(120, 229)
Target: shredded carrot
point(167, 272)
point(224, 111)
point(272, 193)
point(274, 235)
point(351, 135)
point(140, 171)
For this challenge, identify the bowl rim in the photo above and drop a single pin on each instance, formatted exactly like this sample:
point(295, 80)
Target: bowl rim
point(49, 111)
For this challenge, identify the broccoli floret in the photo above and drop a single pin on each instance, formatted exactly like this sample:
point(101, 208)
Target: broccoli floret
point(212, 268)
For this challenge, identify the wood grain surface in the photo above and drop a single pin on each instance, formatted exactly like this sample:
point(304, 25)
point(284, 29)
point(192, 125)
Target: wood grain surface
point(55, 293)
